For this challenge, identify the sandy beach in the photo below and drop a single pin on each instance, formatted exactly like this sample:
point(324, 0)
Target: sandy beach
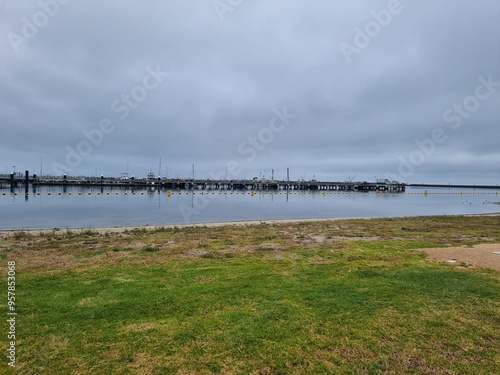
point(120, 229)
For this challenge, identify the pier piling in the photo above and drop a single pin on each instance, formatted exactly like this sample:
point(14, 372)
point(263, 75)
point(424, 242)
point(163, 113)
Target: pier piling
point(26, 182)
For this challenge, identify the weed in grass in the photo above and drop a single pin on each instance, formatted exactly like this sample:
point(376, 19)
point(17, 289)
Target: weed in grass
point(89, 232)
point(267, 238)
point(160, 229)
point(266, 248)
point(21, 235)
point(139, 231)
point(108, 249)
point(150, 249)
point(215, 244)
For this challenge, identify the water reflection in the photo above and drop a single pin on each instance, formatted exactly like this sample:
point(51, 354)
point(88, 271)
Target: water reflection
point(65, 206)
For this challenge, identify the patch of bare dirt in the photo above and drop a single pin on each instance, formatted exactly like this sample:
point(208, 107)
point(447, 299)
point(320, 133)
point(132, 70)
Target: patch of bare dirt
point(357, 238)
point(482, 256)
point(46, 259)
point(143, 364)
point(319, 261)
point(195, 253)
point(318, 238)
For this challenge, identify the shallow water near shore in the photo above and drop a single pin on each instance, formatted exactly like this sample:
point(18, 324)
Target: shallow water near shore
point(74, 207)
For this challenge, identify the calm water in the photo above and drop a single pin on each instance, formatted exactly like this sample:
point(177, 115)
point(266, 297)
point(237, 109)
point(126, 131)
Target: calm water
point(56, 207)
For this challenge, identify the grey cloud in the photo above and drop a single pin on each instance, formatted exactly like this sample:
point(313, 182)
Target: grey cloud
point(227, 76)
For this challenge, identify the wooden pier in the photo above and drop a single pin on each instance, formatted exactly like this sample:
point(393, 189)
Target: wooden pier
point(13, 181)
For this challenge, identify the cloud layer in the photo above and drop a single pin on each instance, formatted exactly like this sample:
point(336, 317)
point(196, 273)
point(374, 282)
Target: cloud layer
point(369, 82)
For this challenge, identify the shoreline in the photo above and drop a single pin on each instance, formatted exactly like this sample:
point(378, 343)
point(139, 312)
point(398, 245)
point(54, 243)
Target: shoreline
point(123, 228)
point(213, 224)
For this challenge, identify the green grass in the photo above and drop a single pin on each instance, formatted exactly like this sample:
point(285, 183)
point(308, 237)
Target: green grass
point(263, 299)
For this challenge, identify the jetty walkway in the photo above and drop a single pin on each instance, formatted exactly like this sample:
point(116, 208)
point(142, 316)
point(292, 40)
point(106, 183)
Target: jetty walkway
point(15, 180)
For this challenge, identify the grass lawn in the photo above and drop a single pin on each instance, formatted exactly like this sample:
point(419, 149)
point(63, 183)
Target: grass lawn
point(330, 297)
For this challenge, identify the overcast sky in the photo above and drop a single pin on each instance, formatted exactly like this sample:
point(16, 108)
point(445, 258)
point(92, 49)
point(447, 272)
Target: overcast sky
point(408, 90)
